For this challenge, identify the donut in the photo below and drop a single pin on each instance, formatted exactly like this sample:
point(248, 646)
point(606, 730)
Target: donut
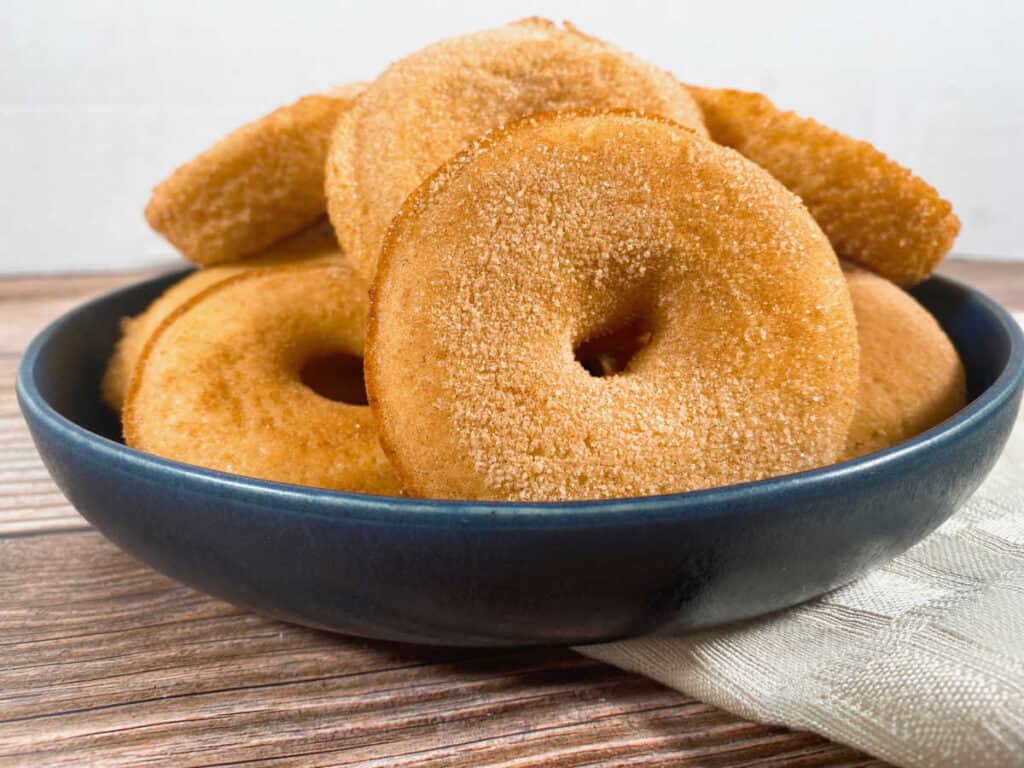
point(911, 377)
point(876, 213)
point(316, 242)
point(261, 375)
point(262, 182)
point(426, 107)
point(568, 228)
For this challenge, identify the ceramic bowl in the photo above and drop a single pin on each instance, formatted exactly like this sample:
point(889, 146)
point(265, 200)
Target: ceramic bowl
point(505, 574)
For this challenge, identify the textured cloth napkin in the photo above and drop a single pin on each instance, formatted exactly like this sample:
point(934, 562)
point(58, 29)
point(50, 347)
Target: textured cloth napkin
point(920, 662)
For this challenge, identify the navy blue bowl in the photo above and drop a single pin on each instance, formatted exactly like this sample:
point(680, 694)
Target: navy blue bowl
point(467, 573)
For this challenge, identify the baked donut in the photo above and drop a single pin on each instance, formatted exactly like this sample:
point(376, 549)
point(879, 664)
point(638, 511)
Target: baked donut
point(564, 228)
point(262, 182)
point(876, 212)
point(260, 375)
point(426, 107)
point(911, 377)
point(316, 242)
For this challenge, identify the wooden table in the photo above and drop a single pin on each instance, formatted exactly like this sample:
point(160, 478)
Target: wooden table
point(105, 662)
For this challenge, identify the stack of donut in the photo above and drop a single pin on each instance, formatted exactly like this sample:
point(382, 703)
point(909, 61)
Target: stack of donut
point(551, 271)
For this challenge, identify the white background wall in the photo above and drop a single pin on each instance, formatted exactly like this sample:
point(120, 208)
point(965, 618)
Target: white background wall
point(100, 99)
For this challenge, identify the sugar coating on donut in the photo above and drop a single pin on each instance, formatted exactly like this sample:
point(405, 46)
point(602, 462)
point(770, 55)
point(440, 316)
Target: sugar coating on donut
point(561, 228)
point(262, 182)
point(314, 243)
point(220, 384)
point(426, 107)
point(876, 212)
point(911, 377)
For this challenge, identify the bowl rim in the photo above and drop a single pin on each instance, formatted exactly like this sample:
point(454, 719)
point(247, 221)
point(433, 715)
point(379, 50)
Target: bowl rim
point(710, 502)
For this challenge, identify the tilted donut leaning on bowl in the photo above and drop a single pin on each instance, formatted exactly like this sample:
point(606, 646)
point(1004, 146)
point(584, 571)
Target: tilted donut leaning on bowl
point(612, 356)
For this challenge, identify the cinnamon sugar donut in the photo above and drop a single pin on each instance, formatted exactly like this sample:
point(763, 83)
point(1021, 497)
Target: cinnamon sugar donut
point(426, 107)
point(260, 375)
point(259, 184)
point(876, 212)
point(314, 243)
point(911, 377)
point(566, 228)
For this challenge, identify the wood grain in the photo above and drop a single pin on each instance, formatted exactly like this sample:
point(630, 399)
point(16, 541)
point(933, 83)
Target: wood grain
point(108, 662)
point(1003, 281)
point(104, 661)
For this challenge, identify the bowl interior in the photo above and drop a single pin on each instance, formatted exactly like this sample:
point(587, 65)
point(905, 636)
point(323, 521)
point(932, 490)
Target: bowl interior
point(983, 347)
point(81, 343)
point(71, 364)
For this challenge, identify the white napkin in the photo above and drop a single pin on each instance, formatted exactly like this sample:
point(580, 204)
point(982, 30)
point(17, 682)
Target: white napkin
point(920, 662)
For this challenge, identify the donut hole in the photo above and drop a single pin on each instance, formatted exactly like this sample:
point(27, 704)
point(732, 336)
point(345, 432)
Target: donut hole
point(335, 375)
point(610, 351)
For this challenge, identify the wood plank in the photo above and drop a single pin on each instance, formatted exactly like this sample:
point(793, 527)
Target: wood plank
point(1003, 281)
point(72, 285)
point(104, 661)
